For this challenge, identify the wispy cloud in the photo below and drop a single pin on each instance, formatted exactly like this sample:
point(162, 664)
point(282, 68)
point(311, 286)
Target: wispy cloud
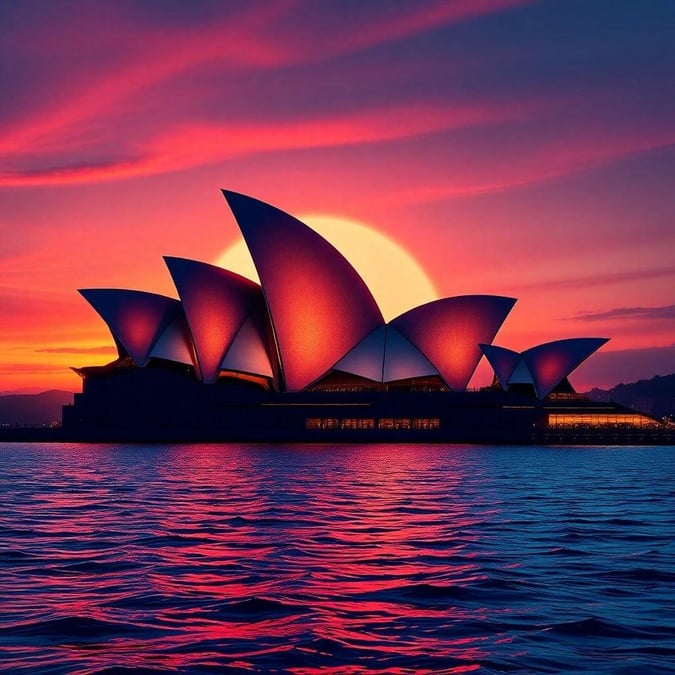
point(157, 57)
point(102, 92)
point(550, 165)
point(190, 145)
point(30, 368)
point(411, 19)
point(665, 312)
point(598, 280)
point(103, 349)
point(150, 110)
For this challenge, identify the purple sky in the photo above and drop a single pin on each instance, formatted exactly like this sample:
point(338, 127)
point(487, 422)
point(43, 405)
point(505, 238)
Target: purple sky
point(517, 148)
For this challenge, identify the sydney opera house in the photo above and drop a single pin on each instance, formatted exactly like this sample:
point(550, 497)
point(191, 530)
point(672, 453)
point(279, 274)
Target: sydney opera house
point(307, 356)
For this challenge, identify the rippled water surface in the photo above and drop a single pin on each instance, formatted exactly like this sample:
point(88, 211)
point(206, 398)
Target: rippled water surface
point(397, 559)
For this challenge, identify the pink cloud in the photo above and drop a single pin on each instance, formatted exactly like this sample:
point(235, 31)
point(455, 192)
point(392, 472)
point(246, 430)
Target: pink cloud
point(147, 59)
point(623, 277)
point(547, 162)
point(90, 104)
point(158, 55)
point(191, 145)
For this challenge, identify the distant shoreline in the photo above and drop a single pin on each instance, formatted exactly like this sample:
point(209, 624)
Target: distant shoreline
point(574, 438)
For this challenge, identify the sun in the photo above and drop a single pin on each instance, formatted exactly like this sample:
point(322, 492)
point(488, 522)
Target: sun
point(396, 280)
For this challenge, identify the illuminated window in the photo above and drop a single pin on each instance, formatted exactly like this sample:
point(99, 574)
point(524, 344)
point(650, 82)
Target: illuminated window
point(595, 421)
point(426, 423)
point(334, 423)
point(404, 423)
point(407, 423)
point(358, 423)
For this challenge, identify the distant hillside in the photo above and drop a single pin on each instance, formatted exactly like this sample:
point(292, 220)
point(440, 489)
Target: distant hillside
point(33, 409)
point(655, 397)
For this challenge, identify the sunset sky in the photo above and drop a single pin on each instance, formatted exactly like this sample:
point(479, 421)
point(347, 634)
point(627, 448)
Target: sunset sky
point(511, 147)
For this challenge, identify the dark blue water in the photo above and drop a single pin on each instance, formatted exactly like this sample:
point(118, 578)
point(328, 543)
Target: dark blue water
point(379, 558)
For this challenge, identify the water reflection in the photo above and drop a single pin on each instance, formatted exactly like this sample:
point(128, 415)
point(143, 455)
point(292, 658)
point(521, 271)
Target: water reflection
point(398, 558)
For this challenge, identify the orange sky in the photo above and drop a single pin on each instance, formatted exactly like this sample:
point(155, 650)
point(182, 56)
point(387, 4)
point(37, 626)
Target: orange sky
point(512, 147)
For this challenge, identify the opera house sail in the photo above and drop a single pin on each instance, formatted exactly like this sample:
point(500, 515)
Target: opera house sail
point(306, 355)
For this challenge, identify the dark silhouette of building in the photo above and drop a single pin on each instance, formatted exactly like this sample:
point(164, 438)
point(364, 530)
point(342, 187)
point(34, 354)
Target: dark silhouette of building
point(306, 355)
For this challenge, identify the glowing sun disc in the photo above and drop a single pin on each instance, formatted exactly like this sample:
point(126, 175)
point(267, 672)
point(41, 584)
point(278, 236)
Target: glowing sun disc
point(396, 280)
